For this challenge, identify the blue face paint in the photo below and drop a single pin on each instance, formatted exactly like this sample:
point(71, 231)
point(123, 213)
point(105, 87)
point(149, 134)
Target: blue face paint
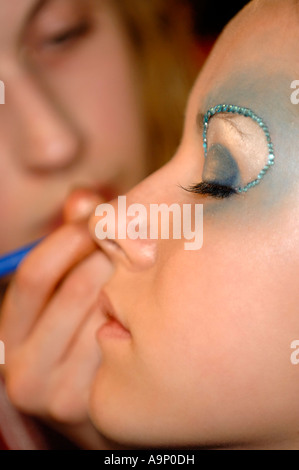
point(221, 168)
point(225, 108)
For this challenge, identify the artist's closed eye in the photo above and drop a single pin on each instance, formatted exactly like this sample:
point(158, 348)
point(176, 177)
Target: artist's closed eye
point(68, 35)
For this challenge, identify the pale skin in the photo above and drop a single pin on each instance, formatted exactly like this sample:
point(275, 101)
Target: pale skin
point(207, 359)
point(71, 87)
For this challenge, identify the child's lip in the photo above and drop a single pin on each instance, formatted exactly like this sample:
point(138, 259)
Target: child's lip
point(114, 330)
point(114, 324)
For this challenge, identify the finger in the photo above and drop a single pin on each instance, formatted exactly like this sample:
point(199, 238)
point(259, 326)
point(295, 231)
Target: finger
point(38, 386)
point(57, 329)
point(59, 392)
point(37, 278)
point(37, 371)
point(80, 205)
point(69, 394)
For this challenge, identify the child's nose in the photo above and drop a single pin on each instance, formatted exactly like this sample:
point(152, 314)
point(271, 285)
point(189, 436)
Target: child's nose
point(127, 229)
point(120, 235)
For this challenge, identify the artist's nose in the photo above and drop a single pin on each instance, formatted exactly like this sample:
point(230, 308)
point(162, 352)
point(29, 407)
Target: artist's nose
point(42, 138)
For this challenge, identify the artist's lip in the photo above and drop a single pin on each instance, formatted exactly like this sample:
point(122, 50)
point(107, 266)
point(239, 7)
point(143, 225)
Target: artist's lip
point(108, 193)
point(104, 193)
point(114, 327)
point(55, 222)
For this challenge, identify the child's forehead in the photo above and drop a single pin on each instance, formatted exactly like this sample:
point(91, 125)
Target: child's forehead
point(280, 10)
point(252, 61)
point(265, 93)
point(245, 71)
point(264, 27)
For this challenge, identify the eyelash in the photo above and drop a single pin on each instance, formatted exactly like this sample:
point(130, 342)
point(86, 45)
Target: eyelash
point(212, 189)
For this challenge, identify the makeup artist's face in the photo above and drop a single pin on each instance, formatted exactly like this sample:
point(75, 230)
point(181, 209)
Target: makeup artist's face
point(207, 357)
point(72, 114)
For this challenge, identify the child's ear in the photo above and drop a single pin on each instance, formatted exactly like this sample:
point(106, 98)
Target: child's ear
point(80, 205)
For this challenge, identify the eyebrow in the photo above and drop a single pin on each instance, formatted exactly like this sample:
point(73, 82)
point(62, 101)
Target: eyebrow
point(39, 5)
point(33, 12)
point(230, 119)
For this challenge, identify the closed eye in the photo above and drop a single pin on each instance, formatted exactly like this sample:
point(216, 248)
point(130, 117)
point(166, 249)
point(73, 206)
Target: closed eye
point(68, 35)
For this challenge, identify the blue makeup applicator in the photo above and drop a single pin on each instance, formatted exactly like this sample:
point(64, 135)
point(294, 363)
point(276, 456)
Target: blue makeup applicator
point(10, 262)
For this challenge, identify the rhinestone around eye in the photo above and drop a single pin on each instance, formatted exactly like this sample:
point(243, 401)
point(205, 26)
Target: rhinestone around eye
point(246, 112)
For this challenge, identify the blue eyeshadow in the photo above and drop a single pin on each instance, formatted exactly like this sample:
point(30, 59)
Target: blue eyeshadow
point(221, 168)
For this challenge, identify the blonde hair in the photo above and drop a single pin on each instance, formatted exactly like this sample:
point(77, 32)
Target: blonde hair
point(161, 34)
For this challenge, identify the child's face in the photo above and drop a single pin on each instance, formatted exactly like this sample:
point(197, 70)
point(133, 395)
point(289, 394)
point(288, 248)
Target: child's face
point(207, 361)
point(72, 115)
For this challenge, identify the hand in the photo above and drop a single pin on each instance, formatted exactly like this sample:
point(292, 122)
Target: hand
point(48, 323)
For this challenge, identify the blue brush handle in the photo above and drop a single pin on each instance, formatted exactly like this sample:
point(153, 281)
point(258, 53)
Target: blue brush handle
point(10, 262)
